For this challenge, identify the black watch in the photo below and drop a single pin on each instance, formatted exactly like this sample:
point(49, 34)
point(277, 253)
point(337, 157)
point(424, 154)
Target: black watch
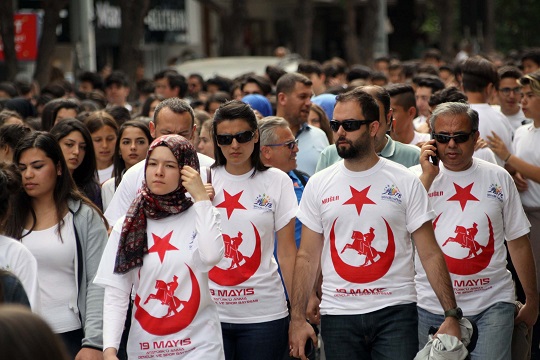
point(455, 313)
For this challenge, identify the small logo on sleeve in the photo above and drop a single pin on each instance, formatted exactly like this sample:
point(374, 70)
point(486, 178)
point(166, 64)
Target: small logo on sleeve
point(391, 193)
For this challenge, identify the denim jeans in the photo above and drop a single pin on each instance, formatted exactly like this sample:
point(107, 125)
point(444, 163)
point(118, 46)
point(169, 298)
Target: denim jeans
point(262, 341)
point(386, 334)
point(495, 328)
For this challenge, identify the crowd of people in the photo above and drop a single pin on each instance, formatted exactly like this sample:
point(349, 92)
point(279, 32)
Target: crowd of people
point(212, 218)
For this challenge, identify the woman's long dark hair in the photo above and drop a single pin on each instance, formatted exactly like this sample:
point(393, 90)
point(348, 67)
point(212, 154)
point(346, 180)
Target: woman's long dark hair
point(85, 176)
point(237, 110)
point(119, 164)
point(64, 189)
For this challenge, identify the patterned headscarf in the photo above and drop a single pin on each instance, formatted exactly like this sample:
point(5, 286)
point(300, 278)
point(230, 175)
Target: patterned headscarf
point(133, 243)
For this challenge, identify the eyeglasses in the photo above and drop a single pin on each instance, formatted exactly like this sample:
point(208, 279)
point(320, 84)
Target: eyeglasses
point(458, 138)
point(348, 125)
point(289, 144)
point(507, 91)
point(242, 137)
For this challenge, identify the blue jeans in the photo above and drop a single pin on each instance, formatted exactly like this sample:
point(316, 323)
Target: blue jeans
point(263, 341)
point(495, 328)
point(387, 334)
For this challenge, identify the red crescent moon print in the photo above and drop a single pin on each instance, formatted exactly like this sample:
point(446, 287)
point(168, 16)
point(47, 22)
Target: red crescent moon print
point(363, 274)
point(475, 264)
point(175, 323)
point(236, 276)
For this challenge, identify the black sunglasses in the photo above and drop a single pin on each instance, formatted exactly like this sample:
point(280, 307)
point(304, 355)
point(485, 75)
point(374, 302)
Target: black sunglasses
point(289, 144)
point(242, 137)
point(458, 138)
point(348, 125)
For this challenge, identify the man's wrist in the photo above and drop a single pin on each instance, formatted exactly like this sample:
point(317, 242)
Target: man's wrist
point(455, 313)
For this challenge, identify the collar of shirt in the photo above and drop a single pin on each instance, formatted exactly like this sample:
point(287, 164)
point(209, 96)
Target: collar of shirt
point(389, 149)
point(305, 126)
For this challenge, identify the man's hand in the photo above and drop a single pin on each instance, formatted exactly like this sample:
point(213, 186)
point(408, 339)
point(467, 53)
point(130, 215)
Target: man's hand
point(312, 312)
point(450, 326)
point(299, 332)
point(527, 314)
point(89, 354)
point(429, 170)
point(521, 182)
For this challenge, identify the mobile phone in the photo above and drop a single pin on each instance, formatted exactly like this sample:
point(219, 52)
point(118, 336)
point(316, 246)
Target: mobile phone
point(434, 159)
point(308, 348)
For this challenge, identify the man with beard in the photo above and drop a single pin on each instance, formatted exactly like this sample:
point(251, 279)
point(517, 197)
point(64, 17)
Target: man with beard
point(368, 307)
point(385, 146)
point(294, 93)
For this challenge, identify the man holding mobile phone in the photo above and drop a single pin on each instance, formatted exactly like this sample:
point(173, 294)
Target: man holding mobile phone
point(358, 216)
point(477, 208)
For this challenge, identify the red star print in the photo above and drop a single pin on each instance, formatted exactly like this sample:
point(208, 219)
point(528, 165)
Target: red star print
point(359, 199)
point(161, 245)
point(463, 195)
point(231, 203)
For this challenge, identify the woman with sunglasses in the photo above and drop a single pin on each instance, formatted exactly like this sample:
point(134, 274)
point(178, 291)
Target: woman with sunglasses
point(164, 248)
point(66, 233)
point(257, 206)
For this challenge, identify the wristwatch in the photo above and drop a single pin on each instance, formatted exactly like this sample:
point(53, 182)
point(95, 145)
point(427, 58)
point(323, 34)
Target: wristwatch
point(455, 313)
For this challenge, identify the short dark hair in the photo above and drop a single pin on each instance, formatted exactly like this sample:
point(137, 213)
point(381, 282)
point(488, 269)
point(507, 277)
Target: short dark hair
point(233, 110)
point(175, 80)
point(287, 82)
point(532, 54)
point(223, 83)
point(119, 113)
point(359, 72)
point(478, 73)
point(310, 67)
point(261, 82)
point(177, 106)
point(117, 78)
point(94, 78)
point(9, 88)
point(427, 80)
point(274, 73)
point(509, 71)
point(220, 96)
point(449, 94)
point(402, 94)
point(370, 108)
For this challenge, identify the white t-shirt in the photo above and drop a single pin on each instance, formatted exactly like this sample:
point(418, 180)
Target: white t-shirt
point(105, 174)
point(526, 140)
point(130, 184)
point(518, 119)
point(17, 259)
point(476, 210)
point(366, 218)
point(173, 314)
point(246, 285)
point(492, 120)
point(419, 138)
point(419, 120)
point(57, 275)
point(107, 193)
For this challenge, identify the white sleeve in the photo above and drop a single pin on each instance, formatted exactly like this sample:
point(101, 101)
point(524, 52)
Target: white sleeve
point(516, 223)
point(309, 211)
point(115, 305)
point(209, 249)
point(26, 269)
point(125, 193)
point(287, 204)
point(418, 208)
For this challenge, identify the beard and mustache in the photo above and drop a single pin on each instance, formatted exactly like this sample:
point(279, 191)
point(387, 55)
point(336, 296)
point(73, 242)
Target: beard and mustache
point(358, 149)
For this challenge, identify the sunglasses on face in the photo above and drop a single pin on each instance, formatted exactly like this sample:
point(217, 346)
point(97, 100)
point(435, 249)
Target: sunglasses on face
point(241, 137)
point(348, 125)
point(458, 138)
point(289, 144)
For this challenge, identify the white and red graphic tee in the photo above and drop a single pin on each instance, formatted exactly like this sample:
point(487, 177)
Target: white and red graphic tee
point(366, 218)
point(246, 285)
point(476, 210)
point(173, 313)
